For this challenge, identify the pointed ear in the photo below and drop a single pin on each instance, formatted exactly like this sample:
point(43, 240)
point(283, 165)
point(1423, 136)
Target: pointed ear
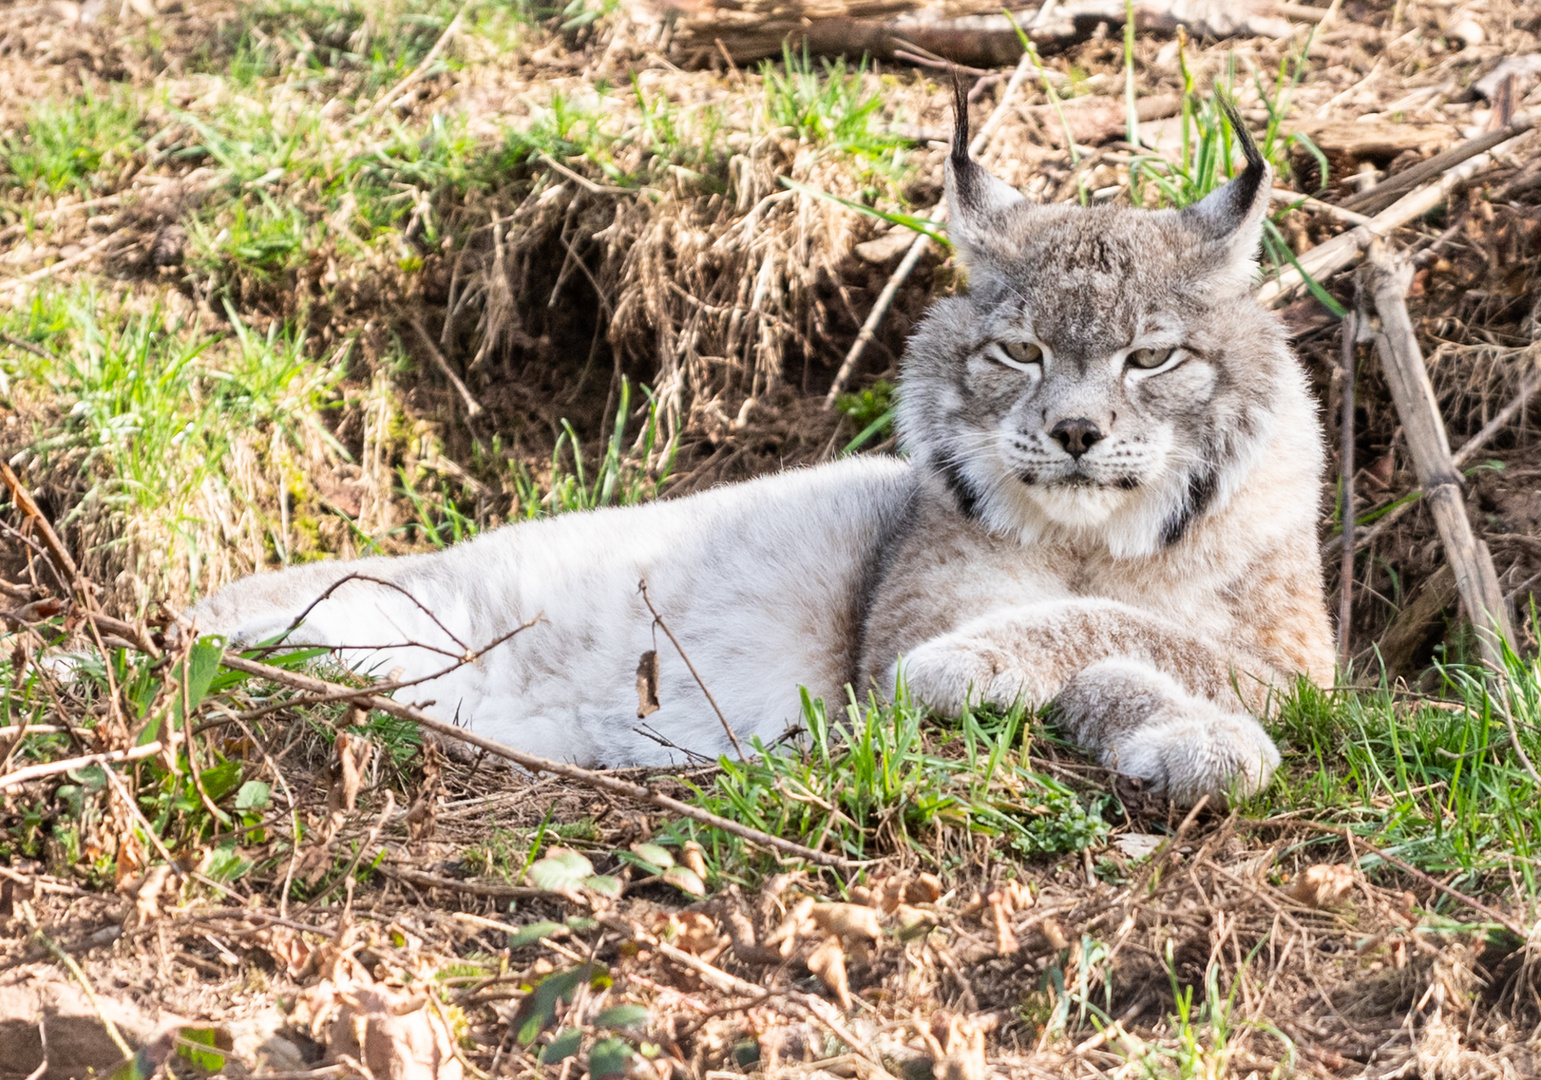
point(1231, 217)
point(974, 197)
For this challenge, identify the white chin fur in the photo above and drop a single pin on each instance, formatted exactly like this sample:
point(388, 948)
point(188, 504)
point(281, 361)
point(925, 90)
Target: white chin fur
point(1129, 523)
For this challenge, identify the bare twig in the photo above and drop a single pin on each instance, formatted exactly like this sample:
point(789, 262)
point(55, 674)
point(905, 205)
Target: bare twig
point(417, 73)
point(1327, 259)
point(83, 255)
point(53, 768)
point(473, 407)
point(1346, 472)
point(535, 763)
point(27, 346)
point(658, 621)
point(1385, 193)
point(1461, 458)
point(80, 976)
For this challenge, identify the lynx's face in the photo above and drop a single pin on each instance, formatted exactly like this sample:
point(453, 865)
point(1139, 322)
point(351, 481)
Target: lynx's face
point(1108, 377)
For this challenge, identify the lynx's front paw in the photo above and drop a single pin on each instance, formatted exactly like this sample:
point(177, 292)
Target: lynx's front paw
point(1143, 724)
point(1193, 749)
point(948, 673)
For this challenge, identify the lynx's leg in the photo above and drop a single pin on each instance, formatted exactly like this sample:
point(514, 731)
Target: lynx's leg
point(1143, 724)
point(1157, 701)
point(1028, 654)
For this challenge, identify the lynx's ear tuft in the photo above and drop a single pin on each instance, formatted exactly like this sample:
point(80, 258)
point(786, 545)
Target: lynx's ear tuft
point(1231, 217)
point(975, 199)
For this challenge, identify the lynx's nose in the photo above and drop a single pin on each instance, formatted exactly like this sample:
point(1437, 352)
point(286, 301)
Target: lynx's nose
point(1077, 435)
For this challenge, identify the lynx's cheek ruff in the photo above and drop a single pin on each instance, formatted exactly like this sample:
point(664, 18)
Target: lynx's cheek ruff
point(1109, 508)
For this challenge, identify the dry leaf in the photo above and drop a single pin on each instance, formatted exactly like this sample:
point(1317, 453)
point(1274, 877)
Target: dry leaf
point(394, 1036)
point(925, 889)
point(848, 921)
point(1054, 934)
point(647, 685)
point(693, 855)
point(963, 1049)
point(695, 932)
point(787, 932)
point(828, 963)
point(353, 752)
point(1005, 941)
point(159, 887)
point(422, 815)
point(1323, 885)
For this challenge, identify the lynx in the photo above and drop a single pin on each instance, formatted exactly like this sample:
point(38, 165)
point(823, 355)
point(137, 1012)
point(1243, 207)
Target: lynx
point(1109, 508)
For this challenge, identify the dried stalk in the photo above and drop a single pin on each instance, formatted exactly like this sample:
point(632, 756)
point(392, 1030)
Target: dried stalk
point(1327, 259)
point(1402, 362)
point(53, 768)
point(1346, 472)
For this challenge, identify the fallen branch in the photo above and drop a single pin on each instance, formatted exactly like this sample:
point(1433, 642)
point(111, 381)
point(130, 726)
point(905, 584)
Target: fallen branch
point(1385, 193)
point(1349, 330)
point(1327, 259)
point(1402, 363)
point(534, 763)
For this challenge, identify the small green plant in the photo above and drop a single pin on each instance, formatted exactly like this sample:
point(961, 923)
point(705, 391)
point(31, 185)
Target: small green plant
point(830, 108)
point(882, 778)
point(872, 411)
point(623, 476)
point(81, 143)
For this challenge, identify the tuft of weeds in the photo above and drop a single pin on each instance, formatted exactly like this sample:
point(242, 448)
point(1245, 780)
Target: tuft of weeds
point(884, 780)
point(831, 107)
point(1438, 783)
point(81, 143)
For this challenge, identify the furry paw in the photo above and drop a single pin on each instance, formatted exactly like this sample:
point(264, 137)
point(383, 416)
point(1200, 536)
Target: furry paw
point(948, 673)
point(1189, 750)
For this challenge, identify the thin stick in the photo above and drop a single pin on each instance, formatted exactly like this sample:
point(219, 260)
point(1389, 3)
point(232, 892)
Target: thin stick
point(85, 984)
point(27, 346)
point(658, 620)
point(1346, 472)
point(53, 768)
point(1384, 193)
point(922, 242)
point(1295, 199)
point(418, 72)
point(535, 763)
point(63, 264)
point(473, 407)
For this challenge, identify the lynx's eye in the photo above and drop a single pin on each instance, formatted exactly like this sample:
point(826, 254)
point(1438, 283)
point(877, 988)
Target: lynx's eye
point(1148, 359)
point(1021, 355)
